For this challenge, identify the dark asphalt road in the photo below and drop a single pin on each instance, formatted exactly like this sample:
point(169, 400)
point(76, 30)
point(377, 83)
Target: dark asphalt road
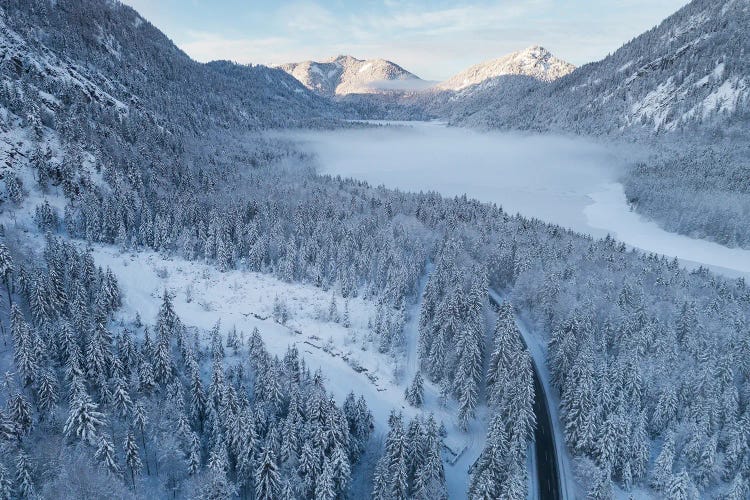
point(547, 470)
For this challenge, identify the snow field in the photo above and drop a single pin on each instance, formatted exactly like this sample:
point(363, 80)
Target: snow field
point(202, 296)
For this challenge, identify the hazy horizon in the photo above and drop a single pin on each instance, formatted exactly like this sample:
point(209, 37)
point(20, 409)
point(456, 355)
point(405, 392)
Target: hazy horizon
point(433, 40)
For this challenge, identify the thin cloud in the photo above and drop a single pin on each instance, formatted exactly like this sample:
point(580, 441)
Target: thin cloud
point(309, 17)
point(431, 39)
point(206, 47)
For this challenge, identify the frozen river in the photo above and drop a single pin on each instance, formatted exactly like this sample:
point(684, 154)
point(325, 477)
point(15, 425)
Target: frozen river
point(566, 181)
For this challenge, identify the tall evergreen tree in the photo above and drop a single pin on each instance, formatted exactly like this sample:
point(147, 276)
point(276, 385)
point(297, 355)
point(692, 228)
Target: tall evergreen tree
point(24, 476)
point(267, 480)
point(105, 455)
point(132, 457)
point(83, 420)
point(415, 392)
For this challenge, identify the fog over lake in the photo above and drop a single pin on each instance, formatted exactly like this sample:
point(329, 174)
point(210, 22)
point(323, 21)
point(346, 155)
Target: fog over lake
point(572, 182)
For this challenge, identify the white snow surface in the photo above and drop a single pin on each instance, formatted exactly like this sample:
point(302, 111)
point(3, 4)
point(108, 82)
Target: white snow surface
point(245, 300)
point(572, 182)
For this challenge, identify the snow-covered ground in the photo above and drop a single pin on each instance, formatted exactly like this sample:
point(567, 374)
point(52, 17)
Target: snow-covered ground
point(349, 362)
point(567, 181)
point(202, 295)
point(610, 211)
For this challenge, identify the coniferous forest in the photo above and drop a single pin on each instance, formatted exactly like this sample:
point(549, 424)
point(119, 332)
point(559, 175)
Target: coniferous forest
point(114, 140)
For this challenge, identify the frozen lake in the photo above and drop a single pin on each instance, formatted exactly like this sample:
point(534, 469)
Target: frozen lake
point(567, 181)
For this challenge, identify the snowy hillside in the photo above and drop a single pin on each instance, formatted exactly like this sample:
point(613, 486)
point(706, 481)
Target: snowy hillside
point(692, 71)
point(116, 59)
point(344, 75)
point(536, 62)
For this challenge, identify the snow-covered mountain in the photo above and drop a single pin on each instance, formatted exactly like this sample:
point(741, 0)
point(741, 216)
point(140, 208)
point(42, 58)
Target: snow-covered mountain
point(535, 61)
point(344, 75)
point(115, 57)
point(691, 71)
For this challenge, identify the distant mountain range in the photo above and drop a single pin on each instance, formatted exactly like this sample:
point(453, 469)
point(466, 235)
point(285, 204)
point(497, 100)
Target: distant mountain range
point(690, 72)
point(343, 75)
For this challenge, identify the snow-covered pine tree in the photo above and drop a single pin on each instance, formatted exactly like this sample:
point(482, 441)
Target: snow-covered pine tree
point(6, 484)
point(105, 455)
point(6, 270)
point(24, 476)
point(132, 457)
point(267, 480)
point(324, 485)
point(140, 420)
point(415, 392)
point(83, 419)
point(46, 393)
point(20, 414)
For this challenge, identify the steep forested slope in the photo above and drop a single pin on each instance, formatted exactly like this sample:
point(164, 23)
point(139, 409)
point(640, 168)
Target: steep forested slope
point(112, 55)
point(691, 71)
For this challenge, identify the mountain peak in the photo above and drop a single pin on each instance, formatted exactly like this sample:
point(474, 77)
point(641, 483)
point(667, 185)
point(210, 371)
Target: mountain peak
point(345, 74)
point(533, 49)
point(534, 61)
point(342, 58)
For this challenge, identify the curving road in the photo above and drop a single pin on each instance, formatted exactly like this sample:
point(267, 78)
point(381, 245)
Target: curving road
point(546, 454)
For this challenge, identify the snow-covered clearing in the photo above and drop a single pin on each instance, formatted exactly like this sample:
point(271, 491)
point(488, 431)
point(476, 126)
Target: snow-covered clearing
point(566, 181)
point(349, 362)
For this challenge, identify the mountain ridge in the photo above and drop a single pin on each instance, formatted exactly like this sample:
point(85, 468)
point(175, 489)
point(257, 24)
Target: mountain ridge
point(534, 61)
point(344, 74)
point(692, 71)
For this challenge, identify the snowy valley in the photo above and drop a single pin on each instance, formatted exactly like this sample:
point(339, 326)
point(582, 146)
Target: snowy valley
point(237, 281)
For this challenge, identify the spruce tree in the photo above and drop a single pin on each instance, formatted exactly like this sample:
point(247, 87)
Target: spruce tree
point(132, 457)
point(415, 392)
point(105, 455)
point(46, 393)
point(324, 485)
point(6, 271)
point(83, 420)
point(20, 414)
point(140, 419)
point(6, 484)
point(24, 482)
point(267, 480)
point(121, 401)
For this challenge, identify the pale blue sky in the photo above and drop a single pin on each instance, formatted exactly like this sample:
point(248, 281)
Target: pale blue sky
point(433, 39)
